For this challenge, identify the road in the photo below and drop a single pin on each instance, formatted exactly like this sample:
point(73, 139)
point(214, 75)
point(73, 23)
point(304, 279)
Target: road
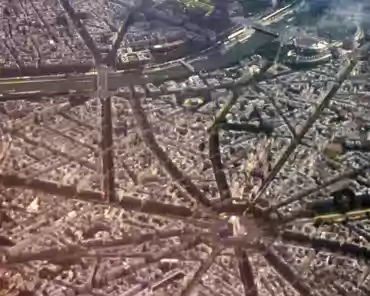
point(218, 56)
point(222, 54)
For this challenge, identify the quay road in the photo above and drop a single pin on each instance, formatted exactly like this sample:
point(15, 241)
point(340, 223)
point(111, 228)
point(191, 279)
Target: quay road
point(235, 45)
point(86, 84)
point(225, 52)
point(222, 54)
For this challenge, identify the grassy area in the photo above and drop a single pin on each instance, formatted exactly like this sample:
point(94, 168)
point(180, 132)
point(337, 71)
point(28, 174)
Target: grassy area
point(205, 5)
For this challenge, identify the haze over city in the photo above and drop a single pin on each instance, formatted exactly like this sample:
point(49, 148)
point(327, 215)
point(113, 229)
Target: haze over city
point(184, 147)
